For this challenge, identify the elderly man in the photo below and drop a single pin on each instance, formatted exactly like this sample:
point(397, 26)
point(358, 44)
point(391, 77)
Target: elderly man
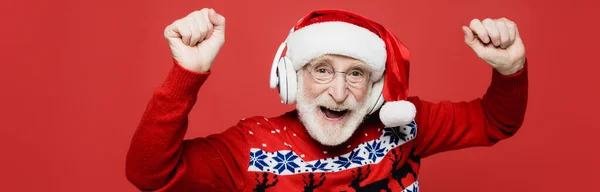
point(354, 127)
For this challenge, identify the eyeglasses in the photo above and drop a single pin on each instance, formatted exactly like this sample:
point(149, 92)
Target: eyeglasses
point(324, 73)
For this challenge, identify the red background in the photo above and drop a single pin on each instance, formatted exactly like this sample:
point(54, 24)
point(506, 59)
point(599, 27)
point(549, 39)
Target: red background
point(77, 75)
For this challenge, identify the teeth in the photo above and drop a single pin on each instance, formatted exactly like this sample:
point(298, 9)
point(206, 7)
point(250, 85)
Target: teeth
point(338, 110)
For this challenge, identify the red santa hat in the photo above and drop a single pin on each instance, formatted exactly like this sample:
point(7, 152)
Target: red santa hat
point(345, 33)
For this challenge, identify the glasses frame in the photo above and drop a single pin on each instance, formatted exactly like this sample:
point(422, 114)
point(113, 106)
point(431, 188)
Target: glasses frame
point(310, 68)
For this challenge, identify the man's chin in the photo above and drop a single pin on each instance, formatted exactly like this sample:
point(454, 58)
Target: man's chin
point(329, 131)
point(328, 140)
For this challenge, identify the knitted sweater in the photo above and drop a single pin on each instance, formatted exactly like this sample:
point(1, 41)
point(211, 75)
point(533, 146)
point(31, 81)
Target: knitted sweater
point(278, 154)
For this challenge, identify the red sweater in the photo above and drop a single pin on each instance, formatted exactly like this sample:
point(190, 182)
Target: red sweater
point(277, 153)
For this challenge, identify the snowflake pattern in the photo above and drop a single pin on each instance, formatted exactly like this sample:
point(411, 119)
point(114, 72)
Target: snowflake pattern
point(288, 162)
point(401, 133)
point(319, 165)
point(413, 126)
point(375, 151)
point(395, 134)
point(353, 158)
point(257, 159)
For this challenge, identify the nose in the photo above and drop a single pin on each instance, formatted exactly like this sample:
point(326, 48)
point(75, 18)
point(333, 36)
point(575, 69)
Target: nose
point(339, 89)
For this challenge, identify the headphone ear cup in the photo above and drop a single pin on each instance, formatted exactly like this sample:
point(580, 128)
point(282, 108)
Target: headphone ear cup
point(282, 81)
point(291, 80)
point(376, 99)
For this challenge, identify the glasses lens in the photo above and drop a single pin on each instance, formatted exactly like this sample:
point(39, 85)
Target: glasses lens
point(322, 72)
point(356, 75)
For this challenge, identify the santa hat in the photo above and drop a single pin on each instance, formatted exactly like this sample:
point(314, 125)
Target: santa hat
point(345, 33)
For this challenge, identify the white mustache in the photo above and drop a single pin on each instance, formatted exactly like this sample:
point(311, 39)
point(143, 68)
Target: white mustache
point(327, 101)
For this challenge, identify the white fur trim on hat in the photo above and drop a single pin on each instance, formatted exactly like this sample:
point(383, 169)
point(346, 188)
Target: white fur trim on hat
point(339, 38)
point(397, 113)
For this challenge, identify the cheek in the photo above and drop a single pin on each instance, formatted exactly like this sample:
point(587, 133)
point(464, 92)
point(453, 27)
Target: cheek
point(359, 94)
point(313, 90)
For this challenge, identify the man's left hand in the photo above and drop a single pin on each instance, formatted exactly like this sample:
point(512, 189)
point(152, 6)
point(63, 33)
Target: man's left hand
point(497, 42)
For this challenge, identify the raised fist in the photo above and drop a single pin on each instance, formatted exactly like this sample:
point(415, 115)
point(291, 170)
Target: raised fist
point(196, 39)
point(497, 41)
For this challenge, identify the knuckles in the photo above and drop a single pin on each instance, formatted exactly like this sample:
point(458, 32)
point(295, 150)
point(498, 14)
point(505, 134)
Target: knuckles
point(190, 24)
point(499, 23)
point(487, 20)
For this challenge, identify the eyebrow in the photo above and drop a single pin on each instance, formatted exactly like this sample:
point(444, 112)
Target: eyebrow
point(361, 64)
point(327, 59)
point(321, 59)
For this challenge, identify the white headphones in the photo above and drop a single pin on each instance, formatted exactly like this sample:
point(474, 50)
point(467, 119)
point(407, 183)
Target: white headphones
point(283, 78)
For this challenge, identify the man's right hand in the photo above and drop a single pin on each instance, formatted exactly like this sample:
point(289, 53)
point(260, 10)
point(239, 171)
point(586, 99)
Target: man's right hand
point(196, 39)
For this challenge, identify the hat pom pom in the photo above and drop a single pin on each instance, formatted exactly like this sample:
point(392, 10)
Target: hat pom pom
point(397, 113)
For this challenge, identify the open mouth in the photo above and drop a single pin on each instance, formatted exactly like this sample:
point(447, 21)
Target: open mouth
point(333, 114)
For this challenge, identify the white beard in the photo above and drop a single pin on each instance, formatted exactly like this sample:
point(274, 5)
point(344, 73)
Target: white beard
point(325, 132)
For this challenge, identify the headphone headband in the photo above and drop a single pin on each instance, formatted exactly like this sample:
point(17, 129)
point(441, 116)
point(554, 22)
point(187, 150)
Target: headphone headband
point(274, 80)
